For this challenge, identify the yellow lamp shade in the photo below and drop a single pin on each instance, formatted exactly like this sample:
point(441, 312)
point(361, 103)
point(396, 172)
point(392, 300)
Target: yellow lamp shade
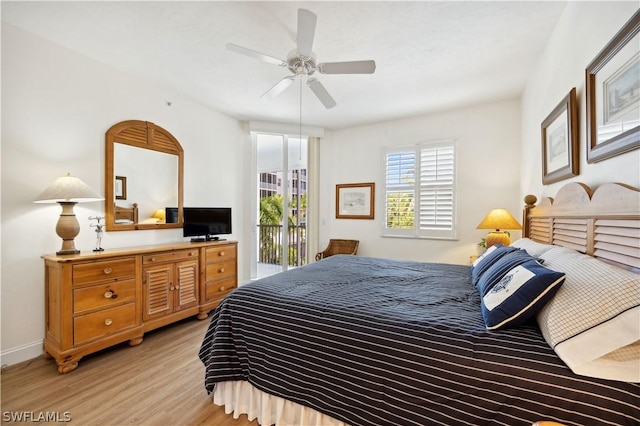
point(498, 219)
point(160, 214)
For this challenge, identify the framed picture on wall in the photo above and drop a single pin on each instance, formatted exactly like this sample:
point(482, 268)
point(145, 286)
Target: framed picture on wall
point(121, 188)
point(560, 158)
point(613, 95)
point(355, 200)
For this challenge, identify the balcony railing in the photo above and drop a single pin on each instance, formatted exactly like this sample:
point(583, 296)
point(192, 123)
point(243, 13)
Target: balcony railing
point(271, 241)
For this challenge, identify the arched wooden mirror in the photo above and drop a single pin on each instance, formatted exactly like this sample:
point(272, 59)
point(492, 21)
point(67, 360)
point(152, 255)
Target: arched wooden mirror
point(144, 177)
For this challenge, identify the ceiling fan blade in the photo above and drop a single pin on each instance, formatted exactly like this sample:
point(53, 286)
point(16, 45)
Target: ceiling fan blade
point(318, 89)
point(353, 67)
point(254, 54)
point(278, 88)
point(306, 32)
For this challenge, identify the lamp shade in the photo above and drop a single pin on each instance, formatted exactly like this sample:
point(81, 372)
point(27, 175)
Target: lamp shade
point(160, 214)
point(68, 189)
point(499, 219)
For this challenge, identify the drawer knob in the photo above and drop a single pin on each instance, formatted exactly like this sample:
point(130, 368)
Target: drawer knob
point(221, 270)
point(171, 288)
point(108, 294)
point(153, 258)
point(108, 271)
point(222, 288)
point(221, 253)
point(108, 321)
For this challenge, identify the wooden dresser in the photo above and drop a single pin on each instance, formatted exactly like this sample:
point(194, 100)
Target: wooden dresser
point(96, 300)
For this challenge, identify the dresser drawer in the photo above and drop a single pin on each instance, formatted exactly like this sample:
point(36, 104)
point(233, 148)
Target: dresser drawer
point(104, 271)
point(220, 270)
point(103, 295)
point(104, 322)
point(217, 254)
point(217, 289)
point(169, 256)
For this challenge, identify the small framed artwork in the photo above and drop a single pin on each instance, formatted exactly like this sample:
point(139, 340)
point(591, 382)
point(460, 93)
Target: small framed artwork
point(355, 200)
point(121, 188)
point(613, 95)
point(560, 141)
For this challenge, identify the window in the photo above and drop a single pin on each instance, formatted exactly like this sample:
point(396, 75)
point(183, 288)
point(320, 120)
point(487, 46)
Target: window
point(420, 190)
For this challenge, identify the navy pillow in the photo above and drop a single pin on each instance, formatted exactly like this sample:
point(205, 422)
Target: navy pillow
point(488, 259)
point(519, 295)
point(500, 267)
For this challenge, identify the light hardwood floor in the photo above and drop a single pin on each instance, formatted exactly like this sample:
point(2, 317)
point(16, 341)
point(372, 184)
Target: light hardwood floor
point(160, 382)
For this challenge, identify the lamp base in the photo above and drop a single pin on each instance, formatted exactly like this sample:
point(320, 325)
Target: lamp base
point(63, 252)
point(67, 228)
point(497, 237)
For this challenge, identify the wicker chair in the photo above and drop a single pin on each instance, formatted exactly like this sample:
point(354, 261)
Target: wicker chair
point(339, 247)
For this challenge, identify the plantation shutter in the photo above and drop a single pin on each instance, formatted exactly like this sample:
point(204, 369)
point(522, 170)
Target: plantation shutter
point(420, 190)
point(436, 187)
point(400, 189)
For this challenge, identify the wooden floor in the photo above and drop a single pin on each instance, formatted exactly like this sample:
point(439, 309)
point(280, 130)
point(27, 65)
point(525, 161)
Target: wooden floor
point(160, 382)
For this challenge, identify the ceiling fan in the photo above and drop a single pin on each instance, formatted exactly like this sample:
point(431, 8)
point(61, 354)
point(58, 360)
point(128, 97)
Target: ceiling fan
point(302, 62)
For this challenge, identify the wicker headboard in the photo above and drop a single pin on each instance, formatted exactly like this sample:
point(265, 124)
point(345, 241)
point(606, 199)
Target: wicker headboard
point(603, 223)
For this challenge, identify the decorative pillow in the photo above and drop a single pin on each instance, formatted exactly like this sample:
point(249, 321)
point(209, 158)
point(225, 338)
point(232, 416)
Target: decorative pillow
point(593, 317)
point(499, 269)
point(487, 259)
point(534, 248)
point(519, 295)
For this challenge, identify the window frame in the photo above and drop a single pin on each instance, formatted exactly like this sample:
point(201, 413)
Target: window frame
point(415, 231)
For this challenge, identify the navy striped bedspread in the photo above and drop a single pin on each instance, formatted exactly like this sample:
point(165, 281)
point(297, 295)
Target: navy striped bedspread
point(383, 342)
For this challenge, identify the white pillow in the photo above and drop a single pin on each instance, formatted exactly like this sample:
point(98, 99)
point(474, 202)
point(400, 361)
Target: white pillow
point(534, 248)
point(594, 318)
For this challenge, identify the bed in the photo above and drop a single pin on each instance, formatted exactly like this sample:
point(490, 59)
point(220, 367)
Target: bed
point(365, 341)
point(126, 215)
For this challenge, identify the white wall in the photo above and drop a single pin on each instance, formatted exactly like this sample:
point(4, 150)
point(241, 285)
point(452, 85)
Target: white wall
point(582, 31)
point(488, 176)
point(56, 107)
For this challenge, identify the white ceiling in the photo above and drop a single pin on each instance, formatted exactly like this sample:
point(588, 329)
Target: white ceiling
point(430, 55)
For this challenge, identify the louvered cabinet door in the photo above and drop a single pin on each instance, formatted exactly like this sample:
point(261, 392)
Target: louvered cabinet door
point(157, 281)
point(186, 286)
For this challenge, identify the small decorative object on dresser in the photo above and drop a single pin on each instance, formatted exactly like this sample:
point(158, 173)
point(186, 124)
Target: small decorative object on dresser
point(498, 219)
point(98, 299)
point(99, 231)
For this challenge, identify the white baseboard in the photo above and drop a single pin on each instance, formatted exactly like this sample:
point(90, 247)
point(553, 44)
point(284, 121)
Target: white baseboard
point(21, 353)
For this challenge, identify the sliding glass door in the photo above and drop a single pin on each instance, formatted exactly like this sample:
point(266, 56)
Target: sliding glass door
point(281, 192)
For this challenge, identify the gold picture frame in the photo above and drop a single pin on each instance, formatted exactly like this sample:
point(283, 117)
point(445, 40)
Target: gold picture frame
point(560, 156)
point(613, 95)
point(355, 200)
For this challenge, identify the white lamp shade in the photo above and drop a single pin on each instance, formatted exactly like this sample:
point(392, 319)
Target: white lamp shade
point(68, 189)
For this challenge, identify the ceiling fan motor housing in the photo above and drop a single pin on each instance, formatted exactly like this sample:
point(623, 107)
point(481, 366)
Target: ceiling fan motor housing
point(301, 65)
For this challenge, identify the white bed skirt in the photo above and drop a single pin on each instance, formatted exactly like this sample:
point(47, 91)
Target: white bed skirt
point(240, 397)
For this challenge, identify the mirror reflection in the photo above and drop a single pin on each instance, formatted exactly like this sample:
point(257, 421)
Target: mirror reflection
point(144, 175)
point(146, 178)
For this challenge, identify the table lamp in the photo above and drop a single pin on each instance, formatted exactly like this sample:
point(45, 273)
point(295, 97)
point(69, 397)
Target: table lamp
point(498, 219)
point(67, 191)
point(161, 215)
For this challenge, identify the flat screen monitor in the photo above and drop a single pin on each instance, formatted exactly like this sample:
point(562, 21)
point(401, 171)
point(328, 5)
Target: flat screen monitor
point(171, 215)
point(206, 223)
